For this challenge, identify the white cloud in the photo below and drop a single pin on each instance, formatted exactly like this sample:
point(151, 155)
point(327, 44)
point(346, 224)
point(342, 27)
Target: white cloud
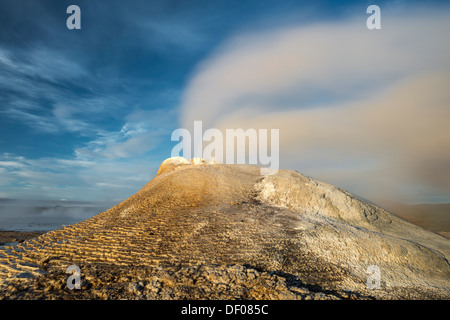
point(10, 164)
point(367, 110)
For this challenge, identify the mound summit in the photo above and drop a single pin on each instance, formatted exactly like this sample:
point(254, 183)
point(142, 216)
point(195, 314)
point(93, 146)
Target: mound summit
point(202, 230)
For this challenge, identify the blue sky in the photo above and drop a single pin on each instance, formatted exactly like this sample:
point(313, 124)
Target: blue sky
point(87, 114)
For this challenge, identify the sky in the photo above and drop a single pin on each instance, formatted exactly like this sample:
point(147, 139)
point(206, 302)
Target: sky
point(87, 115)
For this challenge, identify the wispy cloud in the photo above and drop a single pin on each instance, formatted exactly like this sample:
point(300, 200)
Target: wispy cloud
point(35, 83)
point(358, 108)
point(143, 131)
point(41, 62)
point(52, 95)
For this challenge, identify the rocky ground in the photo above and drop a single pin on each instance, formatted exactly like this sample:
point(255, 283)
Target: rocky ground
point(207, 231)
point(105, 281)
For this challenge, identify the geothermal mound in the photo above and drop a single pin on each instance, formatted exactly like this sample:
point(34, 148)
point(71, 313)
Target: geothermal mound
point(208, 231)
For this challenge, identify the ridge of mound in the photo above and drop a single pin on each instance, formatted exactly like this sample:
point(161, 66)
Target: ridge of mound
point(319, 238)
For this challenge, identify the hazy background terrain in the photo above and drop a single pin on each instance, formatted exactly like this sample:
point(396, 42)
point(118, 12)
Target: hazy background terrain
point(434, 217)
point(45, 215)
